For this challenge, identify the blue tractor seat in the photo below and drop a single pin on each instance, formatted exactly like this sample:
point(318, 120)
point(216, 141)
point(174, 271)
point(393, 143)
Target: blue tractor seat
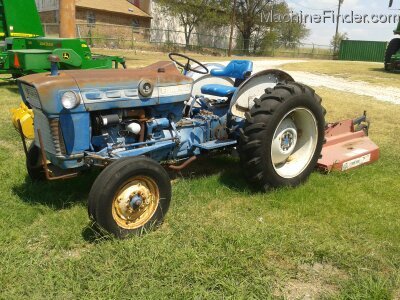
point(239, 70)
point(218, 90)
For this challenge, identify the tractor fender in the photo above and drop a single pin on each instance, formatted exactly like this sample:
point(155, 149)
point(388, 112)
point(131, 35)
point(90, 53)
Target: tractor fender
point(254, 87)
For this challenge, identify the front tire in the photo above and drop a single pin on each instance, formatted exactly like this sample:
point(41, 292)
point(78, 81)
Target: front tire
point(283, 135)
point(34, 164)
point(130, 197)
point(392, 49)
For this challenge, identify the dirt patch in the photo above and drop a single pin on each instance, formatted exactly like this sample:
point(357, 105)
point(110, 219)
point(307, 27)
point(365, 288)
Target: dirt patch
point(321, 271)
point(312, 282)
point(296, 290)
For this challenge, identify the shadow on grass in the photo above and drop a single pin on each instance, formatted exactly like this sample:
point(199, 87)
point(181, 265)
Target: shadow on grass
point(65, 193)
point(57, 195)
point(231, 174)
point(10, 86)
point(205, 166)
point(95, 235)
point(60, 195)
point(381, 70)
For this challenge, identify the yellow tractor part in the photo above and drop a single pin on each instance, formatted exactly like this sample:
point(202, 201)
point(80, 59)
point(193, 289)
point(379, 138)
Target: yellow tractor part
point(25, 116)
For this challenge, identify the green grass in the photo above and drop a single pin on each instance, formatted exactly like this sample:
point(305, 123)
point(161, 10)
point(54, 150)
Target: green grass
point(336, 237)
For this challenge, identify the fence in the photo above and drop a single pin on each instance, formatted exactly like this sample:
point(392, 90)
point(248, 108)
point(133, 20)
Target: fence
point(127, 37)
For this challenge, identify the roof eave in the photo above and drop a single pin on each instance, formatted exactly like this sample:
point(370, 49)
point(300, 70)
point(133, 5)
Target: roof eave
point(117, 12)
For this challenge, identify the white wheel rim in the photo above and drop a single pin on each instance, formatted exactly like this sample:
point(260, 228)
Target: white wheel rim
point(294, 143)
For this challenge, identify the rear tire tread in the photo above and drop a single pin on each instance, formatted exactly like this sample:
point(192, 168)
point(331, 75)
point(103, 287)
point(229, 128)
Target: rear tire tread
point(251, 151)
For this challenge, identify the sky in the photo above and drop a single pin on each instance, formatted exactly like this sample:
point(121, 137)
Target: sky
point(323, 33)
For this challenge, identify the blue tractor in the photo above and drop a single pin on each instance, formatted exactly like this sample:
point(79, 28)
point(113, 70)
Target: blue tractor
point(136, 123)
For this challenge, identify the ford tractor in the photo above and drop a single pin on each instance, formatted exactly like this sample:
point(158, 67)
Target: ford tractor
point(135, 124)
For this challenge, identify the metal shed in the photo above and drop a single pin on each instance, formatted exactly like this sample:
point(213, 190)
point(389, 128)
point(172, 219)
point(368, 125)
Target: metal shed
point(362, 50)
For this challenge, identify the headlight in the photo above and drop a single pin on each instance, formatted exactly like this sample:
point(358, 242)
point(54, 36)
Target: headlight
point(70, 100)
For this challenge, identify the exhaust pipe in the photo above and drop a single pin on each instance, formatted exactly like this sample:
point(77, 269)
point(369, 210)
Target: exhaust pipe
point(54, 60)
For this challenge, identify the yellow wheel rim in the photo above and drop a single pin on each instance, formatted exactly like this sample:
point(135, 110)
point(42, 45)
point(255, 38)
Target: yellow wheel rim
point(136, 202)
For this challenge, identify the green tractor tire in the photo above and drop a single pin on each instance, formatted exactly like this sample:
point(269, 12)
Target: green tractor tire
point(392, 49)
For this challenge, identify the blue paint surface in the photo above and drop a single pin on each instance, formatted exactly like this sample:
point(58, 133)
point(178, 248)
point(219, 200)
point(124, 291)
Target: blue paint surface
point(237, 69)
point(167, 134)
point(75, 130)
point(218, 90)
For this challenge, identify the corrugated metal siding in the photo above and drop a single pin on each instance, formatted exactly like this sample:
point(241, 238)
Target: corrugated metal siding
point(362, 50)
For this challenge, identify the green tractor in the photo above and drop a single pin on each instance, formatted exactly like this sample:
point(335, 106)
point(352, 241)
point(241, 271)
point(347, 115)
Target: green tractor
point(392, 56)
point(24, 49)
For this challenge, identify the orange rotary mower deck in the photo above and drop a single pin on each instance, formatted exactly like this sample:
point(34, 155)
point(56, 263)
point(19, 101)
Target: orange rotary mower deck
point(347, 146)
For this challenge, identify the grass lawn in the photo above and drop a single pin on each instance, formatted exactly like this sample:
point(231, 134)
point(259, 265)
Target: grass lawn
point(335, 237)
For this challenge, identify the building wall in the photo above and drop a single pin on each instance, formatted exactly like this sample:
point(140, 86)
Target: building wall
point(47, 5)
point(50, 16)
point(103, 17)
point(111, 26)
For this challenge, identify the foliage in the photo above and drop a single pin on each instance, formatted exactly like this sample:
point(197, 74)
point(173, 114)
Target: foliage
point(291, 33)
point(192, 13)
point(256, 30)
point(260, 29)
point(337, 39)
point(249, 19)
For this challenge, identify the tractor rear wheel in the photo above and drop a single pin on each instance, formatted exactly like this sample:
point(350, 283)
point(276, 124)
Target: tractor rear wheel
point(34, 164)
point(283, 135)
point(130, 197)
point(392, 49)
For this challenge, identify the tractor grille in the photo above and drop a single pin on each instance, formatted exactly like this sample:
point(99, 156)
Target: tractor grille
point(31, 95)
point(53, 141)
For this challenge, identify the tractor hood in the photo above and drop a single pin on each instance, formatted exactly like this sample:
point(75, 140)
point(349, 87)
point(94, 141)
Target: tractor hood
point(161, 73)
point(159, 83)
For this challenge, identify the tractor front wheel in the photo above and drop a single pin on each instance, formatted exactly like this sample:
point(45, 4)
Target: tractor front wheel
point(392, 49)
point(34, 164)
point(130, 197)
point(283, 135)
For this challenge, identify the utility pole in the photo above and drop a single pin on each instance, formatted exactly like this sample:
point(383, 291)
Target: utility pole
point(67, 19)
point(337, 25)
point(233, 17)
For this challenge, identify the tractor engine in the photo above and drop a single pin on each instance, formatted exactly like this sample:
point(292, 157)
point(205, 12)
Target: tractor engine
point(117, 128)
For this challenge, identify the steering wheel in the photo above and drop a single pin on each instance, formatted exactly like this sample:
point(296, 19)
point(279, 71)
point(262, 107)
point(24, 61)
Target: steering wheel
point(204, 70)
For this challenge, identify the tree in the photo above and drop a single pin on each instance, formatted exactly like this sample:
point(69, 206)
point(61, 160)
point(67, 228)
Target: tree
point(248, 19)
point(288, 32)
point(191, 13)
point(337, 40)
point(291, 33)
